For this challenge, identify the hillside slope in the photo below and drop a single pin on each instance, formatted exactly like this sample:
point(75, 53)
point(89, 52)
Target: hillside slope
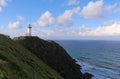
point(16, 62)
point(53, 55)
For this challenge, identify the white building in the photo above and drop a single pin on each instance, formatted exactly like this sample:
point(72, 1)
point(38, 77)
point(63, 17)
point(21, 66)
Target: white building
point(29, 30)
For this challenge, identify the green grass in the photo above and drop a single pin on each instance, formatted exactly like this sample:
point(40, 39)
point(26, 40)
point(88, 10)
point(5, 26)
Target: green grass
point(16, 62)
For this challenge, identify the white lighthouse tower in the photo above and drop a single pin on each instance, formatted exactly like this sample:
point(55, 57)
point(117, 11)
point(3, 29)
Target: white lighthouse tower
point(29, 30)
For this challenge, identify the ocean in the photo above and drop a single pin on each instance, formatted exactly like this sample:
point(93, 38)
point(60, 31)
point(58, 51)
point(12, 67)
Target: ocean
point(100, 58)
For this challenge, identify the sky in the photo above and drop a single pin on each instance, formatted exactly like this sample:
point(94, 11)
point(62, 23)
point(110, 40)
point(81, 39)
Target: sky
point(61, 19)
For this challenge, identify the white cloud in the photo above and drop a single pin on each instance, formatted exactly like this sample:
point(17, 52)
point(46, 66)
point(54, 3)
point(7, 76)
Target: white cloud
point(65, 19)
point(93, 9)
point(12, 25)
point(0, 9)
point(3, 2)
point(98, 9)
point(73, 2)
point(45, 20)
point(13, 32)
point(110, 29)
point(20, 17)
point(107, 30)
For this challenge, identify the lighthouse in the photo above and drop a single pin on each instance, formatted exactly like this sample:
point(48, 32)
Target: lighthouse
point(29, 30)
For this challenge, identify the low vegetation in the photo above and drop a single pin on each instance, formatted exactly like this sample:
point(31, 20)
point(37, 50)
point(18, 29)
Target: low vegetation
point(16, 62)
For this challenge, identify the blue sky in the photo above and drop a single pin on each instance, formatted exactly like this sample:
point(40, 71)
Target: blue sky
point(61, 19)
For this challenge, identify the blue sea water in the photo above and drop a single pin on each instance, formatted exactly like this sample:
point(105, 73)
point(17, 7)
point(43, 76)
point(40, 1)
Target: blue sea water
point(101, 58)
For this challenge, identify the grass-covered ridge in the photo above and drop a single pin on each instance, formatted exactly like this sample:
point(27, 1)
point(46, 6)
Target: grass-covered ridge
point(16, 62)
point(53, 55)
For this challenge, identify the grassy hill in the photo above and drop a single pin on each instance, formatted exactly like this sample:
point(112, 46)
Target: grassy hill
point(16, 62)
point(53, 55)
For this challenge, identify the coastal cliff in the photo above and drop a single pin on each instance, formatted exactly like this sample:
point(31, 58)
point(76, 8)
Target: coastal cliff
point(54, 56)
point(35, 58)
point(16, 62)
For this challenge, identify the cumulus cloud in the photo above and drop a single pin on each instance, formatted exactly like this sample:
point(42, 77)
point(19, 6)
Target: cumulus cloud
point(45, 20)
point(98, 9)
point(65, 19)
point(73, 2)
point(20, 17)
point(3, 3)
point(109, 29)
point(93, 9)
point(13, 32)
point(13, 25)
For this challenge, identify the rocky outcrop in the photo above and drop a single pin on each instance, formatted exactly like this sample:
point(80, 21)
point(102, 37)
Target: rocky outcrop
point(53, 55)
